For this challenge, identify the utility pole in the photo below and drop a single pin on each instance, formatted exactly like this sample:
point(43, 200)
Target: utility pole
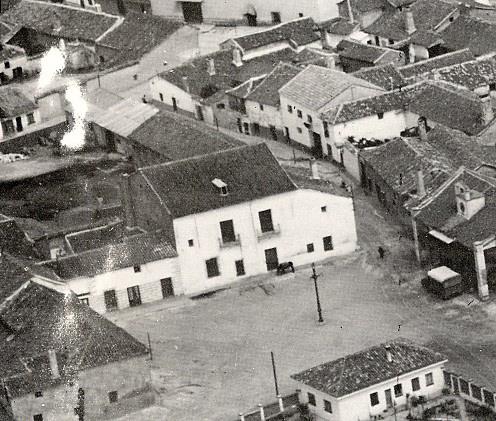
point(315, 276)
point(149, 345)
point(274, 371)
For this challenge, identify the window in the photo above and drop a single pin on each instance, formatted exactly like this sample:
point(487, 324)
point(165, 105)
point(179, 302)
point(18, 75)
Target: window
point(265, 218)
point(415, 384)
point(326, 129)
point(110, 300)
point(492, 86)
point(309, 118)
point(276, 17)
point(191, 243)
point(451, 18)
point(134, 296)
point(398, 390)
point(299, 113)
point(212, 267)
point(112, 396)
point(30, 118)
point(290, 109)
point(161, 96)
point(38, 417)
point(476, 392)
point(85, 301)
point(256, 129)
point(38, 394)
point(464, 387)
point(240, 267)
point(488, 397)
point(429, 379)
point(299, 129)
point(6, 64)
point(390, 41)
point(327, 406)
point(310, 248)
point(311, 399)
point(323, 208)
point(261, 107)
point(328, 243)
point(137, 268)
point(102, 59)
point(380, 116)
point(167, 287)
point(227, 231)
point(462, 208)
point(374, 399)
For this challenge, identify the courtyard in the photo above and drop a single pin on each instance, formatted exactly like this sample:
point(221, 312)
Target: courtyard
point(211, 359)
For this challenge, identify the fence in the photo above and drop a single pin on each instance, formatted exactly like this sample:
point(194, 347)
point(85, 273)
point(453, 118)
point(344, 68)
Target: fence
point(469, 390)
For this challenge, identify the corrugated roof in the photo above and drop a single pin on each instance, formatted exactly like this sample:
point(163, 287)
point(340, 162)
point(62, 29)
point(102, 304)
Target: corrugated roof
point(125, 117)
point(316, 86)
point(368, 367)
point(185, 187)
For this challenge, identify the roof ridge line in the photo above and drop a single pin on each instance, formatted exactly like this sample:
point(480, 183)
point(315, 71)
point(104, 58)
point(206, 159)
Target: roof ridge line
point(272, 28)
point(432, 59)
point(68, 6)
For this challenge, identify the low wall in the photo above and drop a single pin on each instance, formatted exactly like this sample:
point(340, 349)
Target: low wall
point(28, 140)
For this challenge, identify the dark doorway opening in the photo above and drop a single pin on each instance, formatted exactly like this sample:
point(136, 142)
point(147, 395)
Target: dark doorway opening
point(167, 287)
point(19, 127)
point(271, 259)
point(134, 296)
point(252, 19)
point(192, 12)
point(317, 145)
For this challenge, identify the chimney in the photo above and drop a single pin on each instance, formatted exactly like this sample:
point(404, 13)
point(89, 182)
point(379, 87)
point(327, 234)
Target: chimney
point(211, 66)
point(487, 109)
point(420, 184)
point(186, 84)
point(315, 169)
point(466, 195)
point(389, 357)
point(409, 22)
point(422, 128)
point(350, 12)
point(331, 62)
point(54, 365)
point(237, 60)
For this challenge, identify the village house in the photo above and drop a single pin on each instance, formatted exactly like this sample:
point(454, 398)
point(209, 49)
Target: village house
point(310, 94)
point(18, 113)
point(338, 29)
point(377, 381)
point(414, 29)
point(354, 56)
point(126, 272)
point(386, 76)
point(61, 360)
point(13, 63)
point(454, 225)
point(245, 12)
point(236, 213)
point(296, 34)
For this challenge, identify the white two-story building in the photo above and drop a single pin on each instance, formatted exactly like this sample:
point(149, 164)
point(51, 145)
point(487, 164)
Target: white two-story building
point(236, 213)
point(376, 381)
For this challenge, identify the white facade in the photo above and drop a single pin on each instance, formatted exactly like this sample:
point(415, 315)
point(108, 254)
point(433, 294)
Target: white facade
point(19, 63)
point(269, 116)
point(218, 11)
point(18, 124)
point(148, 279)
point(357, 406)
point(300, 218)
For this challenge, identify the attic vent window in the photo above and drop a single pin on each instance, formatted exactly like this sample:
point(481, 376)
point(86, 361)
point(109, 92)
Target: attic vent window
point(221, 186)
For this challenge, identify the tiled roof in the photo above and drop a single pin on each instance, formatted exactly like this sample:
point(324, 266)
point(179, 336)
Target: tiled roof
point(267, 92)
point(386, 76)
point(309, 56)
point(138, 34)
point(426, 39)
point(178, 137)
point(40, 319)
point(364, 107)
point(368, 367)
point(316, 86)
point(301, 31)
point(250, 172)
point(243, 90)
point(472, 33)
point(59, 20)
point(440, 212)
point(455, 108)
point(366, 5)
point(126, 252)
point(227, 75)
point(14, 240)
point(363, 52)
point(427, 15)
point(13, 102)
point(425, 66)
point(472, 74)
point(340, 26)
point(399, 3)
point(14, 273)
point(8, 52)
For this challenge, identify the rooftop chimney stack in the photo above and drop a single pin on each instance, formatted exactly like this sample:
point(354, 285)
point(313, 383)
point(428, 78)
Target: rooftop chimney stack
point(211, 66)
point(331, 62)
point(237, 60)
point(54, 365)
point(186, 84)
point(420, 184)
point(422, 128)
point(409, 22)
point(388, 353)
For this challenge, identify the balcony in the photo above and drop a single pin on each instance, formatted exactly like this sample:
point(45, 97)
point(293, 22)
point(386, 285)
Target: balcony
point(235, 242)
point(276, 230)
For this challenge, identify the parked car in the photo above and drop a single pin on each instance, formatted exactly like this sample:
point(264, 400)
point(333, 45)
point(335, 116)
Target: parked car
point(443, 282)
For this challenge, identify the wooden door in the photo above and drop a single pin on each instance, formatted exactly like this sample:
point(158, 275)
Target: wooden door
point(389, 399)
point(271, 259)
point(134, 296)
point(110, 300)
point(167, 287)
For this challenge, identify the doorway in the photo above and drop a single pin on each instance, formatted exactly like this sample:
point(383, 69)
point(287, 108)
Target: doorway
point(271, 259)
point(134, 296)
point(389, 399)
point(110, 138)
point(19, 127)
point(273, 132)
point(317, 145)
point(17, 72)
point(167, 287)
point(174, 104)
point(192, 12)
point(199, 113)
point(252, 19)
point(110, 299)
